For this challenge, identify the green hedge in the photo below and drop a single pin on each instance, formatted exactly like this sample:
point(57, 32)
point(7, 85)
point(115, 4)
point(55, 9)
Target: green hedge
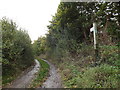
point(17, 53)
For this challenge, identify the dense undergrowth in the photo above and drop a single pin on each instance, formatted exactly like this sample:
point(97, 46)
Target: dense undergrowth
point(79, 71)
point(42, 74)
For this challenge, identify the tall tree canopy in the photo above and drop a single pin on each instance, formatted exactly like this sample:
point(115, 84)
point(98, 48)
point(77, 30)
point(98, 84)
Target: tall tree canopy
point(71, 25)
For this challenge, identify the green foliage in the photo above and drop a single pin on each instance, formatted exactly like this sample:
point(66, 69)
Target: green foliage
point(39, 46)
point(71, 26)
point(109, 55)
point(16, 50)
point(103, 76)
point(42, 74)
point(78, 72)
point(24, 48)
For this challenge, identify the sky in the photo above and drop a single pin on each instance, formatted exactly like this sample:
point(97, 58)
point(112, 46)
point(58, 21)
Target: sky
point(31, 15)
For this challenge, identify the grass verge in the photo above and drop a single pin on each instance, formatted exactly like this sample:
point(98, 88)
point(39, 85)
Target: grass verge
point(42, 74)
point(103, 76)
point(78, 72)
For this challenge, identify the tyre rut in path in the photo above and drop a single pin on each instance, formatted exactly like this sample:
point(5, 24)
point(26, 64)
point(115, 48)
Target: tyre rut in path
point(54, 80)
point(26, 78)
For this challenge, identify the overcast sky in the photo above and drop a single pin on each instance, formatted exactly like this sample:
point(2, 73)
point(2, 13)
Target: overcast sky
point(31, 15)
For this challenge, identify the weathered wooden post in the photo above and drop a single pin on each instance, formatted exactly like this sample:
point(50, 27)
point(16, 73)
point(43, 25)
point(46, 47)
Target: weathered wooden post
point(94, 30)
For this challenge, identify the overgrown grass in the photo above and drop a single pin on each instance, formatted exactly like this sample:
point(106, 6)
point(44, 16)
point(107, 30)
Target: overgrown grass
point(103, 76)
point(42, 74)
point(77, 71)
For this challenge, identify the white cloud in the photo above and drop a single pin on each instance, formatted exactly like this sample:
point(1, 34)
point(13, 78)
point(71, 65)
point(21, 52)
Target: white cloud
point(32, 15)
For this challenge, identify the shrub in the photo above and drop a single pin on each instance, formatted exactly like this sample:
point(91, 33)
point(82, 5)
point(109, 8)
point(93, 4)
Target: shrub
point(16, 50)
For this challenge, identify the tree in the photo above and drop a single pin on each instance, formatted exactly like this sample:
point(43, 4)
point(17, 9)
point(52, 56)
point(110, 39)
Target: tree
point(39, 46)
point(71, 25)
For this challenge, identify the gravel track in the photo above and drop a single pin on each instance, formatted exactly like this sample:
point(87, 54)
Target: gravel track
point(54, 80)
point(26, 78)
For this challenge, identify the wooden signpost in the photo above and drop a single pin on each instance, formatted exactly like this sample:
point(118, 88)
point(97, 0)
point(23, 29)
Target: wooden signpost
point(94, 30)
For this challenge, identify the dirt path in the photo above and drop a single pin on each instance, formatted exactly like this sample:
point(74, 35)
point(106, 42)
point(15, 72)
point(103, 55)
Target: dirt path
point(54, 80)
point(25, 79)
